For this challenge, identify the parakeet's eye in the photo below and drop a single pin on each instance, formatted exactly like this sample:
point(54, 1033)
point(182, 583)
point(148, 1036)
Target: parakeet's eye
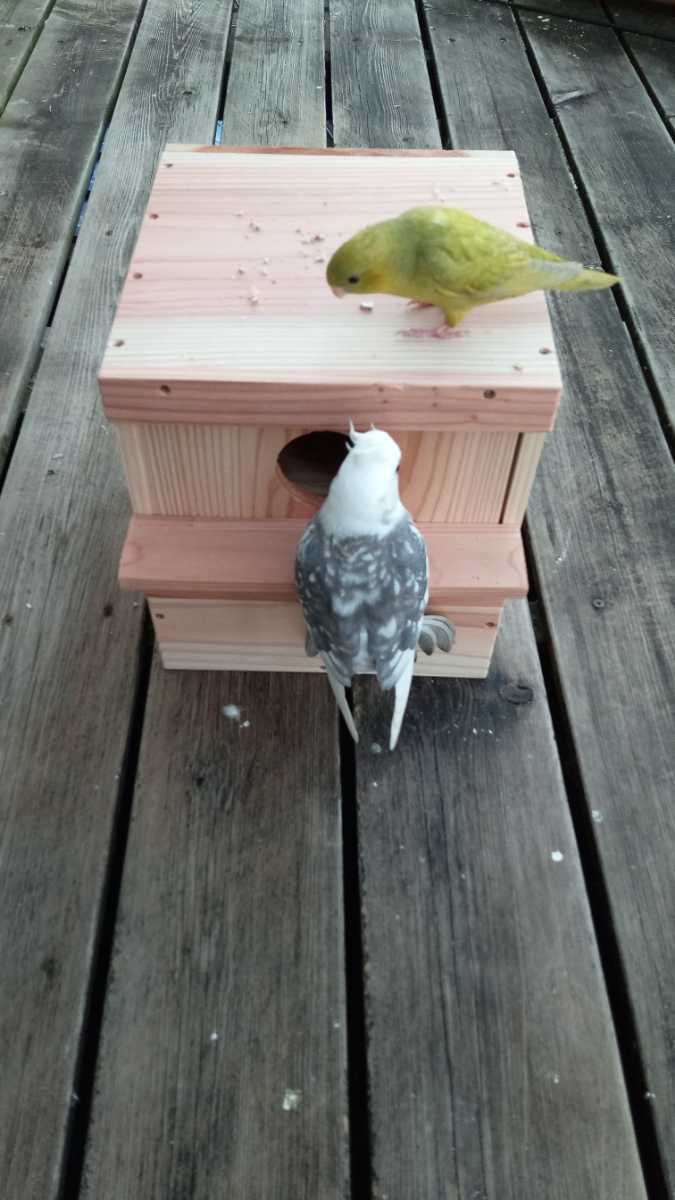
point(354, 279)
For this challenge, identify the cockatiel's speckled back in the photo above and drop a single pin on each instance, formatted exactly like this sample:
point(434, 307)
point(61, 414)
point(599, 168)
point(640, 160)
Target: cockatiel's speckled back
point(446, 257)
point(363, 578)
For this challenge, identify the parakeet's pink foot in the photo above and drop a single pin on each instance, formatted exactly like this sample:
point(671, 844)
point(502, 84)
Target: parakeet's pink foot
point(440, 331)
point(420, 304)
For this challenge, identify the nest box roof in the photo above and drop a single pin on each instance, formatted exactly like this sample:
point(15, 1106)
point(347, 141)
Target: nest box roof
point(226, 315)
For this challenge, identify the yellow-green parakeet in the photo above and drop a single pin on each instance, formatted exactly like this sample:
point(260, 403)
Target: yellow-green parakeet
point(445, 257)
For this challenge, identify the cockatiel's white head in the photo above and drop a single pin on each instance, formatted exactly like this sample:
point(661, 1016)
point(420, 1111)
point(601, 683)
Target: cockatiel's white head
point(363, 498)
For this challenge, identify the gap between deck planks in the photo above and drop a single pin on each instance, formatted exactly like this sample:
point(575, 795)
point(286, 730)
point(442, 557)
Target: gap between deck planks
point(68, 639)
point(50, 133)
point(601, 524)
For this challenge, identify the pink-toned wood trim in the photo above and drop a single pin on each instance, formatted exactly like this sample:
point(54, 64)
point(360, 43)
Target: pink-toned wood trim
point(333, 152)
point(462, 409)
point(469, 564)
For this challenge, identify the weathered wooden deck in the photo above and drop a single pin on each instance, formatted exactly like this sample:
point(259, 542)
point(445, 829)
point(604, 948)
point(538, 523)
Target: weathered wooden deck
point(236, 959)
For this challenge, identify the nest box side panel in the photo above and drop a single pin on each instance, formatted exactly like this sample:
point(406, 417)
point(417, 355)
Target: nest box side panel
point(230, 635)
point(528, 453)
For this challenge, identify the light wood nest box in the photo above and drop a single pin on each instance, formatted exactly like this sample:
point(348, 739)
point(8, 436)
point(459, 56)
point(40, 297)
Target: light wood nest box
point(228, 346)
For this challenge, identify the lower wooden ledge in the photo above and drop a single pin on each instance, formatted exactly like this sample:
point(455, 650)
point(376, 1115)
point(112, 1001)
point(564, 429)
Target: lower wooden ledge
point(265, 635)
point(469, 565)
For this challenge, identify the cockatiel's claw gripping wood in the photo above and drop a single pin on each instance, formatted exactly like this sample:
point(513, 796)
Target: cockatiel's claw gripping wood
point(229, 347)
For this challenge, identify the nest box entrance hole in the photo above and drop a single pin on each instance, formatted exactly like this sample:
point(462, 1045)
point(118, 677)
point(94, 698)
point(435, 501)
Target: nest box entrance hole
point(309, 463)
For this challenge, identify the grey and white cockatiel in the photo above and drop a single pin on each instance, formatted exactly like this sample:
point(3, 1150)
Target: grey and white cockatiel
point(362, 575)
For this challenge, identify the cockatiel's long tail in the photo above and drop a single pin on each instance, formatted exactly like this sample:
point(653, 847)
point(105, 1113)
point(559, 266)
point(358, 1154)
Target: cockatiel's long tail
point(341, 697)
point(401, 692)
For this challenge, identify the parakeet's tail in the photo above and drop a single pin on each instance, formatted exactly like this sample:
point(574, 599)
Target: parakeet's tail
point(570, 277)
point(340, 696)
point(588, 281)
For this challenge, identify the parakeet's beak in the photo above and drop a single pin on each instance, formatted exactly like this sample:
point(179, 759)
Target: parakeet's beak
point(339, 292)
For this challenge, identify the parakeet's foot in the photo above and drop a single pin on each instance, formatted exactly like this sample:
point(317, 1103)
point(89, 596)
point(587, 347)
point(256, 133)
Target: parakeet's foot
point(420, 304)
point(437, 633)
point(440, 331)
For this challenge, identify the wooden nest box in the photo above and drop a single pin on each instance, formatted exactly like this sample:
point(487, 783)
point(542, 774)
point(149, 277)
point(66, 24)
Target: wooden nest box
point(232, 373)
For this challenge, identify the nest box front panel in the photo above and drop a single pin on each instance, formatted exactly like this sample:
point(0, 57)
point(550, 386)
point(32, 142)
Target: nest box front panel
point(264, 471)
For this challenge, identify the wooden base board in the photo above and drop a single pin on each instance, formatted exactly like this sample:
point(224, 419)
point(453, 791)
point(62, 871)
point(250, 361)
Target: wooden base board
point(265, 635)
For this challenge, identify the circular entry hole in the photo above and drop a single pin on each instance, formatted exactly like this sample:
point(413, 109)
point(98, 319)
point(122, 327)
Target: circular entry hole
point(310, 462)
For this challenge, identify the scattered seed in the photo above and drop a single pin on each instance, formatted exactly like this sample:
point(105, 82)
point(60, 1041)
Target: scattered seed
point(292, 1100)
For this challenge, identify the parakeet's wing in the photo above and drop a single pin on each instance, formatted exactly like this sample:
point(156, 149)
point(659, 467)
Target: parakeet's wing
point(468, 261)
point(489, 264)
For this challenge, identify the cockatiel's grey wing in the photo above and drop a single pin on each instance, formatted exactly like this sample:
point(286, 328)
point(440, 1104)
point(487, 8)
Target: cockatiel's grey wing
point(394, 632)
point(315, 570)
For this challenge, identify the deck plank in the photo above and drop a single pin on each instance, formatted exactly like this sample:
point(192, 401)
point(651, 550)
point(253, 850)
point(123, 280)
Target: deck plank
point(276, 93)
point(601, 524)
point(223, 1051)
point(480, 941)
point(21, 23)
point(472, 967)
point(654, 17)
point(68, 639)
point(626, 159)
point(231, 906)
point(49, 137)
point(656, 60)
point(380, 84)
point(580, 10)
